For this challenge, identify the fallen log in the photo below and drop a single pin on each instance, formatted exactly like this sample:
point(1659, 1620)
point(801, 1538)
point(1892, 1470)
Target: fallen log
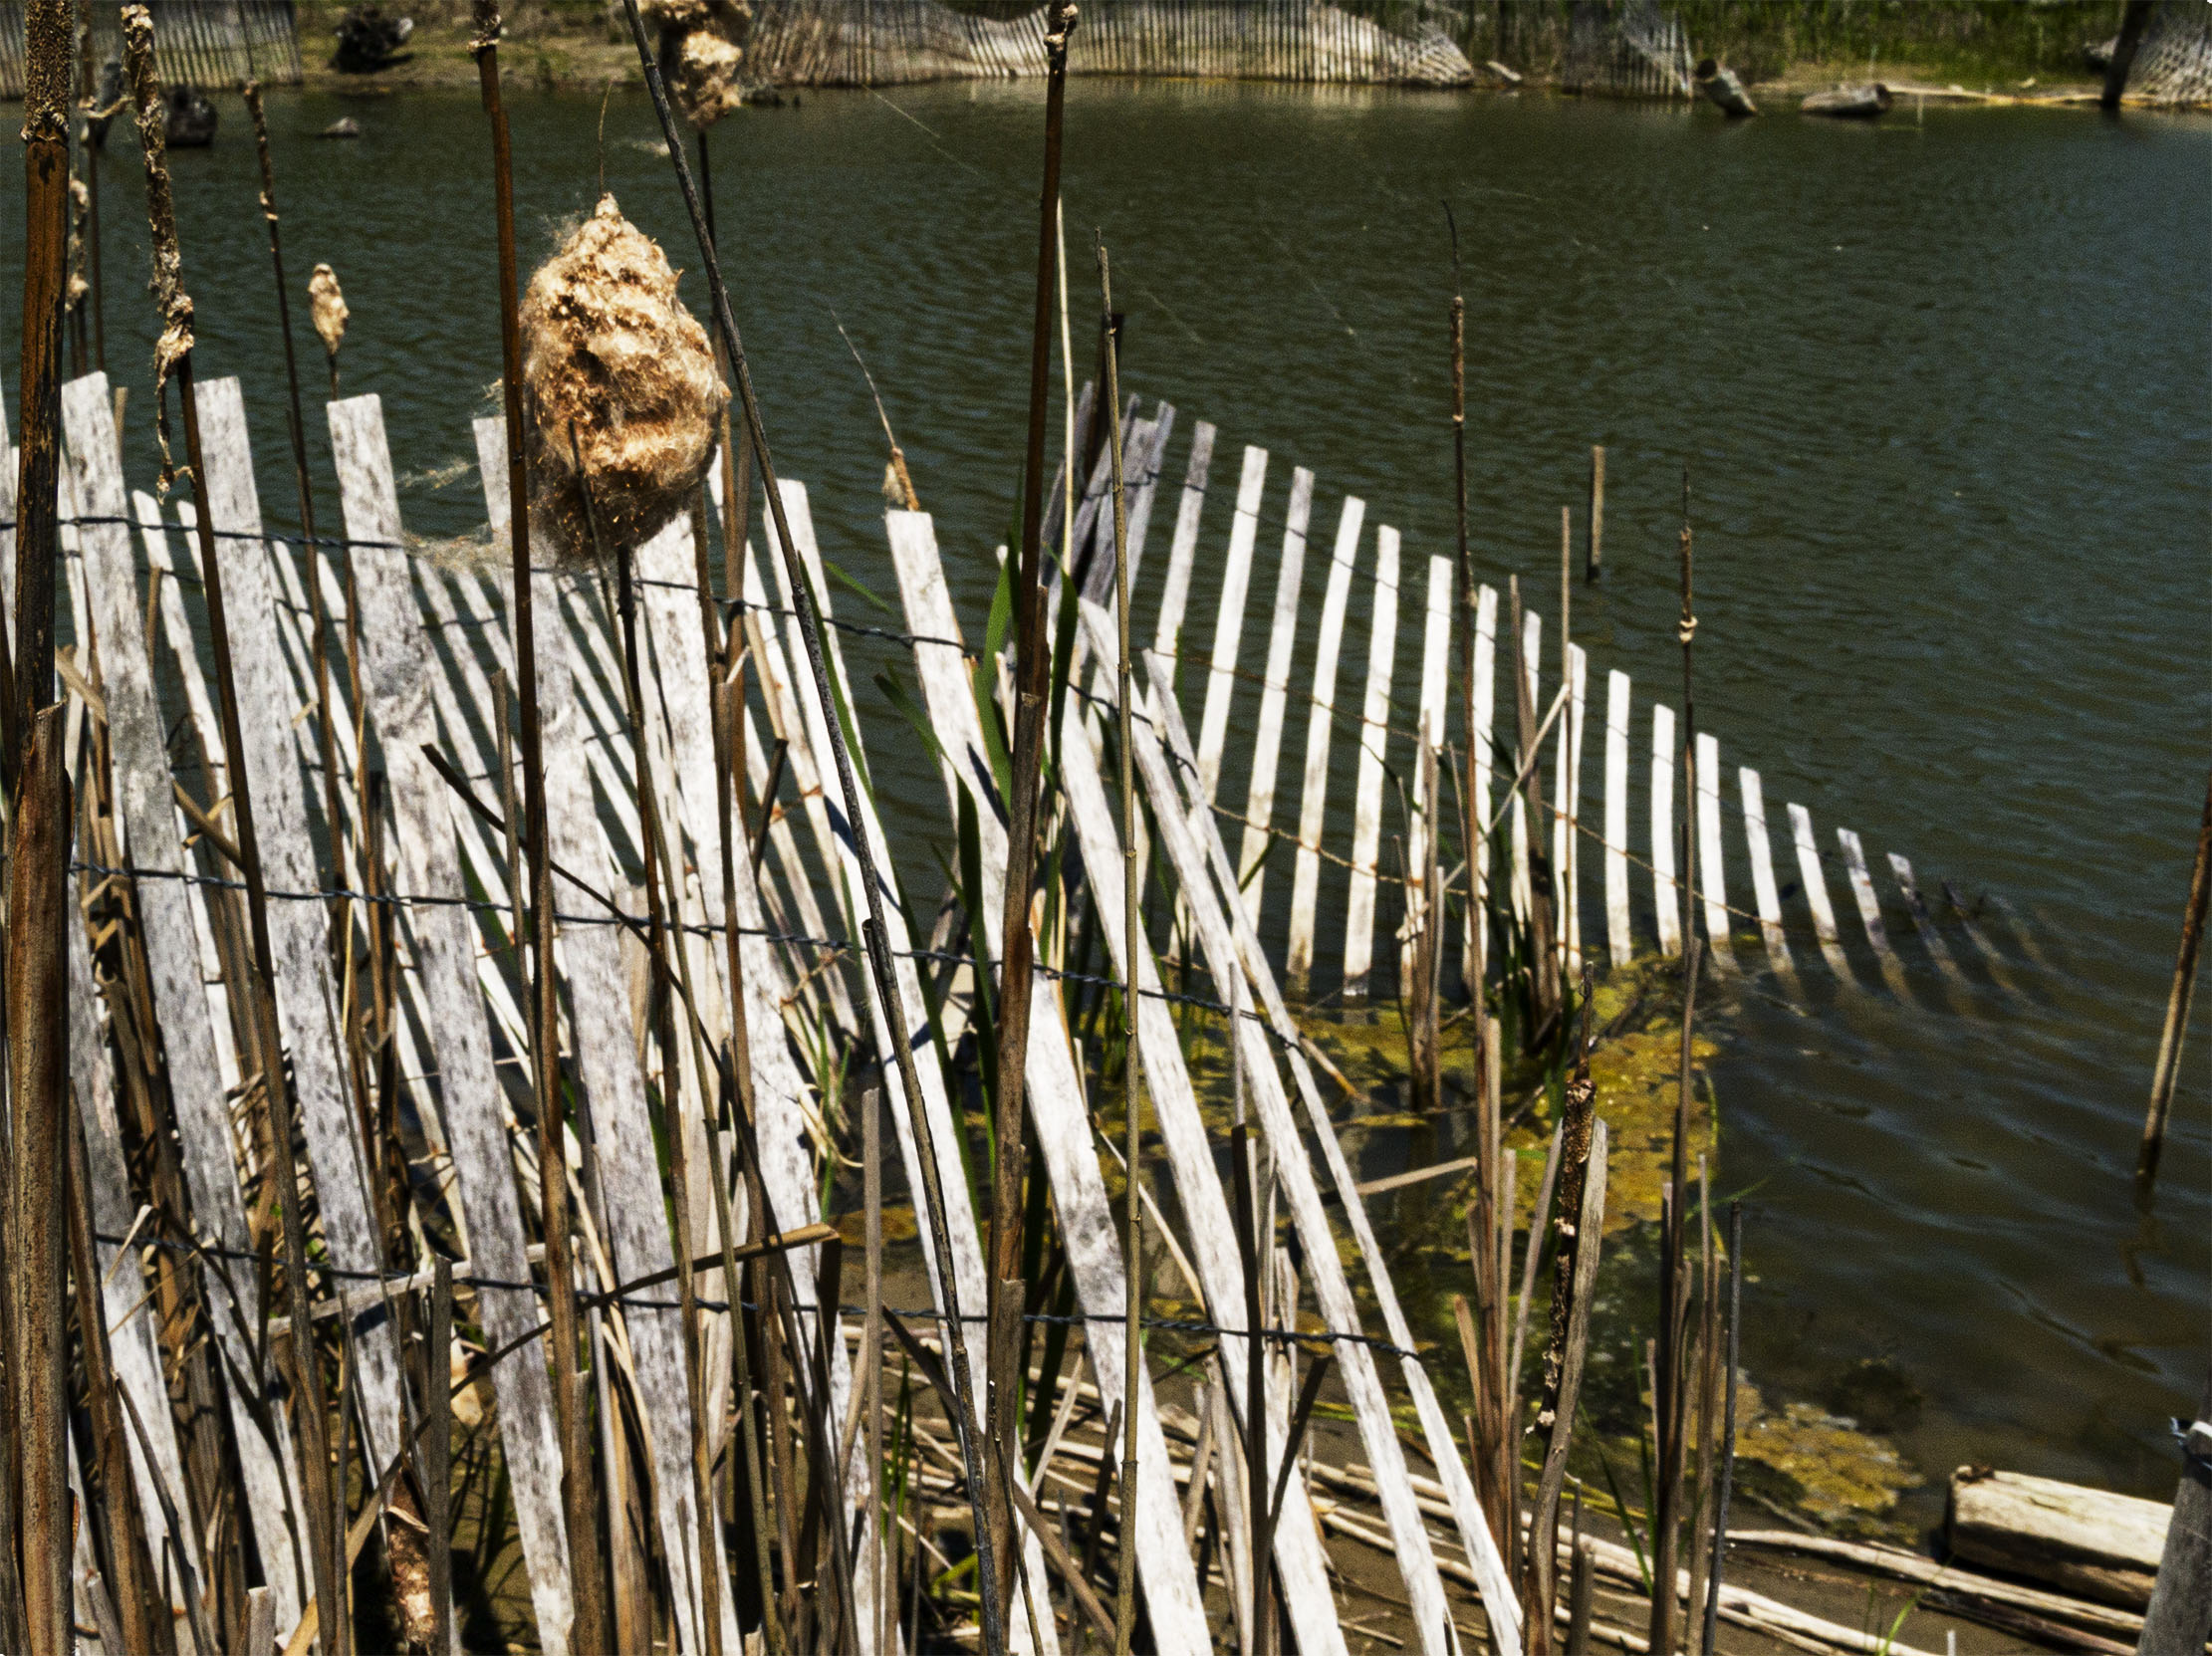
point(2088, 1541)
point(1860, 102)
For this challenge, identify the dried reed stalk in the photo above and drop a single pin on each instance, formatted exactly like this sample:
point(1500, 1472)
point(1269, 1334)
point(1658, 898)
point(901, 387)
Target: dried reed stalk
point(1033, 653)
point(588, 1629)
point(872, 933)
point(1132, 1063)
point(1667, 1400)
point(173, 357)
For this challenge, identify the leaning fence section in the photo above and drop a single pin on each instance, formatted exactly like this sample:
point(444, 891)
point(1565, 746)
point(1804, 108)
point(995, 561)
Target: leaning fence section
point(194, 44)
point(887, 41)
point(1630, 50)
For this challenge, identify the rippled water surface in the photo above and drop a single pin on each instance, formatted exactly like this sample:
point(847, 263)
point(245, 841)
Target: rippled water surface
point(1942, 388)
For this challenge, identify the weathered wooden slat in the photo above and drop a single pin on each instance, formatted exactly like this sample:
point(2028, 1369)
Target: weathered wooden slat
point(1367, 797)
point(1056, 1100)
point(1620, 936)
point(1436, 637)
point(1762, 868)
point(639, 1240)
point(398, 671)
point(123, 1299)
point(1168, 635)
point(1567, 854)
point(1234, 958)
point(1266, 747)
point(909, 1021)
point(1480, 739)
point(1901, 867)
point(780, 1094)
point(189, 1041)
point(1666, 892)
point(1228, 626)
point(1810, 875)
point(305, 998)
point(1712, 871)
point(1863, 890)
point(1312, 799)
point(1524, 889)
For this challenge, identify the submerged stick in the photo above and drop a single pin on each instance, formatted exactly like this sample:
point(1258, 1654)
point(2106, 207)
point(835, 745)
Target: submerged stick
point(173, 357)
point(2168, 1067)
point(873, 936)
point(588, 1629)
point(36, 1338)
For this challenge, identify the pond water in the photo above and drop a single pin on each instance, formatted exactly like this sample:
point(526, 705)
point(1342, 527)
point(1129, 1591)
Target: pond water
point(1941, 385)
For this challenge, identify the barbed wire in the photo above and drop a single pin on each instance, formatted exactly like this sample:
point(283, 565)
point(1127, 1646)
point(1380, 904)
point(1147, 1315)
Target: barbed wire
point(407, 1279)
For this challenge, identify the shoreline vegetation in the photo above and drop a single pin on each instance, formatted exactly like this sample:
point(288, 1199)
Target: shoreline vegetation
point(1975, 50)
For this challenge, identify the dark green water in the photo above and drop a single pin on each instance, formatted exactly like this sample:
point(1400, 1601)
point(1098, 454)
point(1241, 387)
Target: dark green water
point(1943, 388)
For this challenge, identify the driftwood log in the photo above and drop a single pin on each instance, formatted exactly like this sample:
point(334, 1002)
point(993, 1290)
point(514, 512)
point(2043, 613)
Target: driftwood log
point(1724, 88)
point(1859, 103)
point(2092, 1543)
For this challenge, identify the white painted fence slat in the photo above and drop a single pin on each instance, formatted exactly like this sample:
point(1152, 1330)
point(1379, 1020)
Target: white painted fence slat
point(1762, 868)
point(1056, 1100)
point(1482, 740)
point(1567, 856)
point(1312, 799)
point(1810, 875)
point(398, 671)
point(1862, 889)
point(1374, 738)
point(190, 1044)
point(1712, 871)
point(1228, 626)
point(1266, 747)
point(1436, 637)
point(1167, 636)
point(1923, 923)
point(1232, 959)
point(1667, 890)
point(1620, 937)
point(1524, 888)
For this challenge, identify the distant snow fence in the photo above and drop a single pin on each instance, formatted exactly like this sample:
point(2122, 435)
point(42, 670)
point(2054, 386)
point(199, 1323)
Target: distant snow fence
point(833, 43)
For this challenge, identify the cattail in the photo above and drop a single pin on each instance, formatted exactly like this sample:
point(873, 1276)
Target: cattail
point(622, 381)
point(329, 303)
point(700, 49)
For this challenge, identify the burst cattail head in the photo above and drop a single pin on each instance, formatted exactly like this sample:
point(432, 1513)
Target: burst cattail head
point(701, 45)
point(620, 375)
point(329, 304)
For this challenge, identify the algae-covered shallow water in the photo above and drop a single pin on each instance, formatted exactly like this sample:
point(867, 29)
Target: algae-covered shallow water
point(1941, 383)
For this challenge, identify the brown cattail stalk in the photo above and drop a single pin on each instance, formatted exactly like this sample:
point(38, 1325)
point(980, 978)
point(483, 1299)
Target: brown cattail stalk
point(664, 1030)
point(37, 1348)
point(588, 1631)
point(1133, 1064)
point(173, 357)
point(326, 730)
point(1667, 1368)
point(1032, 650)
point(1728, 1420)
point(872, 929)
point(140, 1605)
